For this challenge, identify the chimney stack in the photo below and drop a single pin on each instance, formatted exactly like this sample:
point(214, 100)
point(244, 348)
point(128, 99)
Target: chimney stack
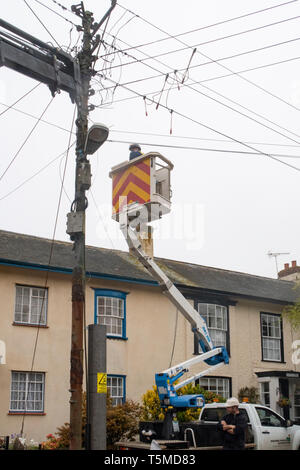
point(290, 273)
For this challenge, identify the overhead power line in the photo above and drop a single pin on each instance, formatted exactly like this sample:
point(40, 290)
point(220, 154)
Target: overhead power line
point(135, 132)
point(174, 136)
point(233, 109)
point(41, 22)
point(222, 38)
point(201, 28)
point(26, 140)
point(212, 61)
point(36, 173)
point(184, 147)
point(19, 99)
point(232, 73)
point(58, 14)
point(206, 126)
point(215, 61)
point(33, 117)
point(208, 80)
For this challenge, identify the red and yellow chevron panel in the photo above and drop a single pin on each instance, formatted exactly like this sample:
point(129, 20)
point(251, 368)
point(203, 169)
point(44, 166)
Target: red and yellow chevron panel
point(134, 183)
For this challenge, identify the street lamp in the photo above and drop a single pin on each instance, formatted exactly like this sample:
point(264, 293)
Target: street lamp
point(96, 136)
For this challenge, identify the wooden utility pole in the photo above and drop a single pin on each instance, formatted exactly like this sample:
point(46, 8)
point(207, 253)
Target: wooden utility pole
point(22, 52)
point(82, 183)
point(76, 219)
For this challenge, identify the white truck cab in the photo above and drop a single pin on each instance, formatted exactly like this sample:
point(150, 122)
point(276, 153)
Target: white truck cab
point(270, 430)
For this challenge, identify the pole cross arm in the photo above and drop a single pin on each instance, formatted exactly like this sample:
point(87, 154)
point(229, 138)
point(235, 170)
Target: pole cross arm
point(42, 66)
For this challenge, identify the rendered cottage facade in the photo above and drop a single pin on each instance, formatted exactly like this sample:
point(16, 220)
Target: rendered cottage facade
point(243, 312)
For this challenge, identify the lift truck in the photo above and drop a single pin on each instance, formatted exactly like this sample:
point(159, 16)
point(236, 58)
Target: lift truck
point(142, 194)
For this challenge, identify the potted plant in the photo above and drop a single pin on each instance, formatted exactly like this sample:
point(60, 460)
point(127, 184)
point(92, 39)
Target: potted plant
point(283, 401)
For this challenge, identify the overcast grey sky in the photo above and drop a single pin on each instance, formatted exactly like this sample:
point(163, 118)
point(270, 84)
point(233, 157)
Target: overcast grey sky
point(229, 209)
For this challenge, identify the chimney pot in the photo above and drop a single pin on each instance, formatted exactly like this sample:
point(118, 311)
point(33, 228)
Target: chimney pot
point(286, 265)
point(294, 264)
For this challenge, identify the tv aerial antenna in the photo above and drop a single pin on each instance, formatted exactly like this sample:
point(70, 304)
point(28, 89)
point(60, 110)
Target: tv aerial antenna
point(275, 255)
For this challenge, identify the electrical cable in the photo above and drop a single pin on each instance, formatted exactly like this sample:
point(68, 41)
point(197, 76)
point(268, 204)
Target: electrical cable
point(142, 133)
point(37, 173)
point(220, 59)
point(35, 117)
point(214, 78)
point(62, 6)
point(184, 116)
point(184, 147)
point(102, 220)
point(19, 99)
point(232, 101)
point(203, 27)
point(27, 138)
point(232, 73)
point(47, 272)
point(210, 41)
point(33, 12)
point(58, 14)
point(215, 61)
point(233, 109)
point(198, 138)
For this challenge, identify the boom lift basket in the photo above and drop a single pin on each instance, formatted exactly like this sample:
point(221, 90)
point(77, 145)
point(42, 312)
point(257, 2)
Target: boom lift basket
point(142, 182)
point(141, 192)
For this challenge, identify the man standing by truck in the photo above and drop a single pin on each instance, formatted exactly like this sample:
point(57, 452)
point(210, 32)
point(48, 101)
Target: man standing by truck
point(234, 425)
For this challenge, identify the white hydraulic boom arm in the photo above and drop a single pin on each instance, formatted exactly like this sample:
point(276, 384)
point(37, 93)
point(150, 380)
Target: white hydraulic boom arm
point(215, 357)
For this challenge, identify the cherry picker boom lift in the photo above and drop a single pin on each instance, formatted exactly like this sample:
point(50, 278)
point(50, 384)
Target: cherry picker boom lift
point(141, 194)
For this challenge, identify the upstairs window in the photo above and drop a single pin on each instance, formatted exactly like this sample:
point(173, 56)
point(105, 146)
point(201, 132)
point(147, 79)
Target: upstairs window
point(111, 312)
point(271, 336)
point(31, 305)
point(216, 318)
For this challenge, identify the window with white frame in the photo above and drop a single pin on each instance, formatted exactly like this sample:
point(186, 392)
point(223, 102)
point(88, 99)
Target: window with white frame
point(110, 311)
point(116, 389)
point(218, 385)
point(27, 392)
point(265, 393)
point(297, 404)
point(271, 337)
point(215, 317)
point(31, 305)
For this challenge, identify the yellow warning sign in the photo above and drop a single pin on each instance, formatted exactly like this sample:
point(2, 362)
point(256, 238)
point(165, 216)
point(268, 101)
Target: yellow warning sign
point(101, 382)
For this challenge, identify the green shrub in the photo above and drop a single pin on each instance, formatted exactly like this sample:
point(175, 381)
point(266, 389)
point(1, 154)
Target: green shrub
point(152, 411)
point(122, 422)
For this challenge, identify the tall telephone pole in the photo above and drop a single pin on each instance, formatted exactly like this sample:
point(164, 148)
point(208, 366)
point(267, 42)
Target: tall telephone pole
point(82, 183)
point(28, 55)
point(76, 218)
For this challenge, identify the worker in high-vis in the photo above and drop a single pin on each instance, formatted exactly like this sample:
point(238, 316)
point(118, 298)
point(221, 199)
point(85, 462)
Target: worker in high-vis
point(135, 151)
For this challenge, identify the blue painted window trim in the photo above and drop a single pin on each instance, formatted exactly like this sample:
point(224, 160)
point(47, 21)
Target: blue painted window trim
point(119, 295)
point(124, 384)
point(61, 270)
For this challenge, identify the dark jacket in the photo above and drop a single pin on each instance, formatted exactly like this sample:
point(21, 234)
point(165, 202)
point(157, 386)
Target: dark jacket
point(235, 441)
point(133, 155)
